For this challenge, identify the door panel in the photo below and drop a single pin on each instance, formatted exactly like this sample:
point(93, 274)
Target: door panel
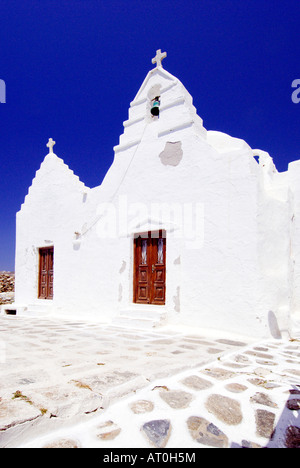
point(50, 274)
point(142, 270)
point(46, 273)
point(159, 270)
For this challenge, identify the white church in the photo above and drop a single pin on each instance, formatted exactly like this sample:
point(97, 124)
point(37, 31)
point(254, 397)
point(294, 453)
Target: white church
point(189, 227)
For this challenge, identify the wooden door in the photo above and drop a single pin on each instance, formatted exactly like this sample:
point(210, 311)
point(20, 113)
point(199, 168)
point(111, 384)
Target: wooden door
point(149, 279)
point(46, 273)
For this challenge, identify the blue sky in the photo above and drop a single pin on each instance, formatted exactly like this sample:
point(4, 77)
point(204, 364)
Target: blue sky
point(72, 67)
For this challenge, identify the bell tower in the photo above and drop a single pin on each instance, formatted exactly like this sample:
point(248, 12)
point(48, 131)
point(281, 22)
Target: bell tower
point(163, 99)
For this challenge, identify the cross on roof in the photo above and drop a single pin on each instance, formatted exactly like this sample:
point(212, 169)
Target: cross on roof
point(159, 57)
point(50, 145)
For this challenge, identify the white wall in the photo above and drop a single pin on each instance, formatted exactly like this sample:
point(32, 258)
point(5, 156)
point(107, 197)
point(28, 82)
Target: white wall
point(294, 186)
point(240, 268)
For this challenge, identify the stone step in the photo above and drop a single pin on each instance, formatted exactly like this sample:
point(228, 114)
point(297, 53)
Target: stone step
point(38, 309)
point(129, 322)
point(140, 318)
point(147, 313)
point(28, 310)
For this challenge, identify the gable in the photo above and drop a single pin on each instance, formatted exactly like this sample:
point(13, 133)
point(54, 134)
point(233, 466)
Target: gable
point(54, 181)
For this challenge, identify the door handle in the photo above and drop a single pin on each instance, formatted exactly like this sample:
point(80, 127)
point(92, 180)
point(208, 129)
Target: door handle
point(153, 268)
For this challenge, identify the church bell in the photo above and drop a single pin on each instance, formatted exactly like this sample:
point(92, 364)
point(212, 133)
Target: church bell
point(155, 107)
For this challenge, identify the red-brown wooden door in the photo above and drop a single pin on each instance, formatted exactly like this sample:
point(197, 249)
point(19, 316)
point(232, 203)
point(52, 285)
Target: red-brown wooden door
point(149, 279)
point(46, 273)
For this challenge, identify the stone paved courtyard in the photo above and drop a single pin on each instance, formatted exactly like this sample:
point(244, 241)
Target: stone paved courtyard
point(80, 384)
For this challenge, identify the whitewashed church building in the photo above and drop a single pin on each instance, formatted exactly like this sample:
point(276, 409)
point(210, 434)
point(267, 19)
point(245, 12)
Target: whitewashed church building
point(189, 227)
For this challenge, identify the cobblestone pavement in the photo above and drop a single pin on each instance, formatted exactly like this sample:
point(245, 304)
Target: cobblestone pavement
point(79, 384)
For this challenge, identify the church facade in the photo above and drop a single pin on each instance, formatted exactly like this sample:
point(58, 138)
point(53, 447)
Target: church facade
point(189, 227)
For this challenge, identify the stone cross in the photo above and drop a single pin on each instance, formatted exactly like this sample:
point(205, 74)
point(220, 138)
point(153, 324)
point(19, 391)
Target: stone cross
point(159, 57)
point(50, 145)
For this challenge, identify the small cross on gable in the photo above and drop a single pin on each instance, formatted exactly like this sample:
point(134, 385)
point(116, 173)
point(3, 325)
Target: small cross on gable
point(50, 145)
point(159, 57)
